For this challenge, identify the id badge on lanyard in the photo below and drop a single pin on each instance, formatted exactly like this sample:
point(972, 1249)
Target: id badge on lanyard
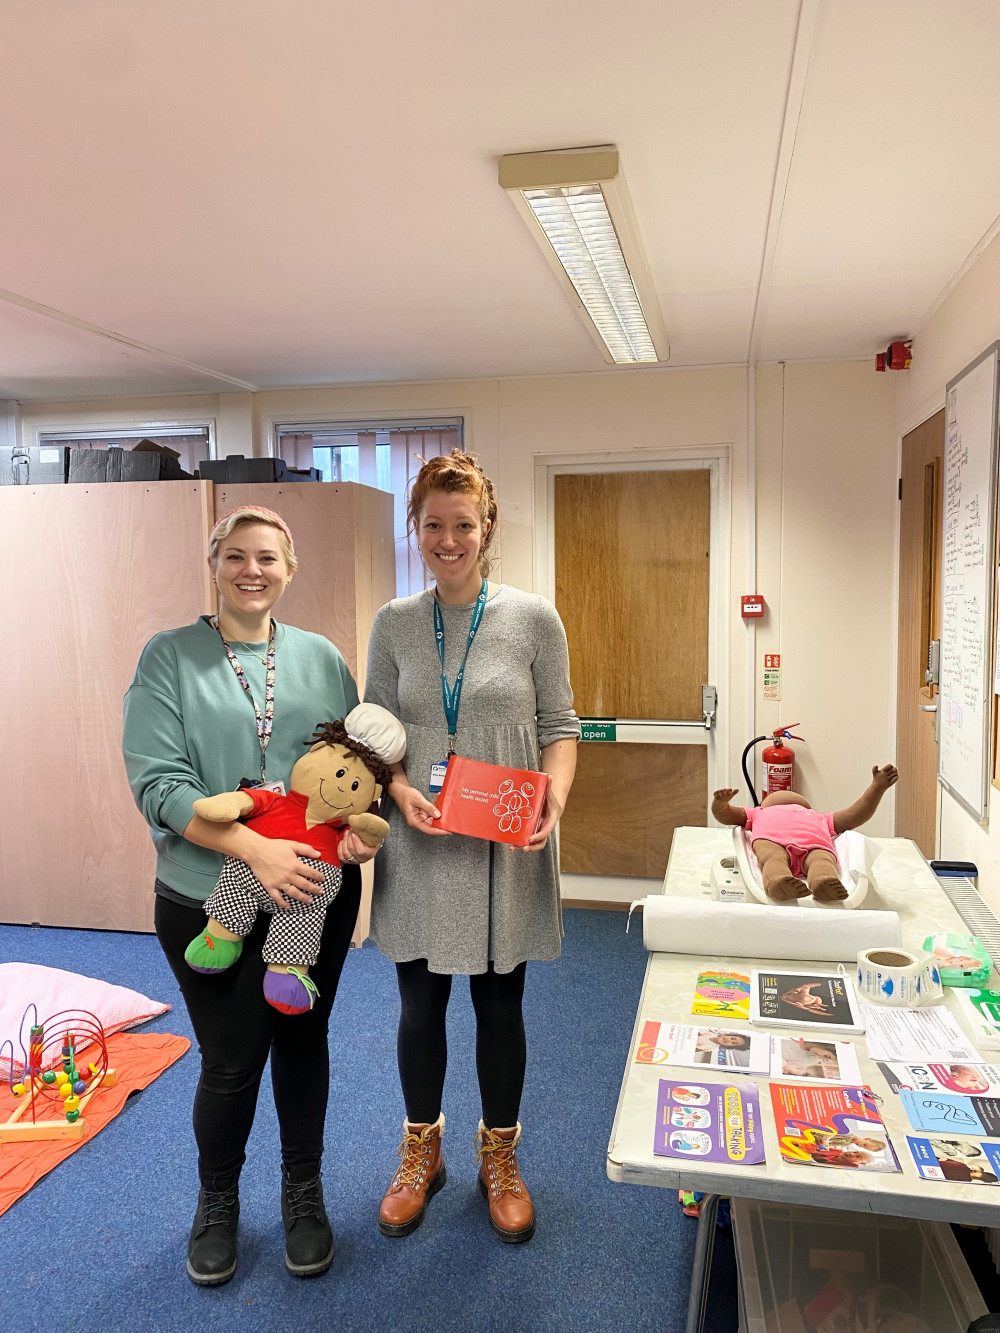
point(451, 695)
point(264, 721)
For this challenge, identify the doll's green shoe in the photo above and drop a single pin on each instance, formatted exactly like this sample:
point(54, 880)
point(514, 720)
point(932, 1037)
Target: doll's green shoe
point(207, 953)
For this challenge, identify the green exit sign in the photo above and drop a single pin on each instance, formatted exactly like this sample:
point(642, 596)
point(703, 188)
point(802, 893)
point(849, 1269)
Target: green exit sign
point(598, 729)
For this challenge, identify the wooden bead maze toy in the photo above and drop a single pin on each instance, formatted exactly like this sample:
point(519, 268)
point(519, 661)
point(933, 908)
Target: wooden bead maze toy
point(64, 1065)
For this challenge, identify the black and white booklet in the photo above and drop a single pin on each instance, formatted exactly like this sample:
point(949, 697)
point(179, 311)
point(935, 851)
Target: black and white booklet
point(822, 1001)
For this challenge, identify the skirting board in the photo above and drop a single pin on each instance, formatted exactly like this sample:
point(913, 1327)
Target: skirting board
point(604, 890)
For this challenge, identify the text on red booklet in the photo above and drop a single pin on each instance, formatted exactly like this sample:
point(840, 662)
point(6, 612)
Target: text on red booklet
point(490, 801)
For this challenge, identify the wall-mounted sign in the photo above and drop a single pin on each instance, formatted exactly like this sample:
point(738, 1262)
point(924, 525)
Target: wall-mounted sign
point(772, 676)
point(598, 729)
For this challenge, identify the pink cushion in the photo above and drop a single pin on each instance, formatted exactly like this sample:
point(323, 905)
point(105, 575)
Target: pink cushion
point(51, 990)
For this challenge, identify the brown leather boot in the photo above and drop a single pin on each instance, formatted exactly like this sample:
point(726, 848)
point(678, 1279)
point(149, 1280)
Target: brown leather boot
point(512, 1214)
point(418, 1178)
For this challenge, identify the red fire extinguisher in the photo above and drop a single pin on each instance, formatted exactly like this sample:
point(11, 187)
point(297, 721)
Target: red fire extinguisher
point(778, 761)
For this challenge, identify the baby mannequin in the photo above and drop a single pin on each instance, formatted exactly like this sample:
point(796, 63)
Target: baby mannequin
point(789, 837)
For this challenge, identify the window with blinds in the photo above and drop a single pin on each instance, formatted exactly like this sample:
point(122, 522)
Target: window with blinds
point(193, 443)
point(385, 455)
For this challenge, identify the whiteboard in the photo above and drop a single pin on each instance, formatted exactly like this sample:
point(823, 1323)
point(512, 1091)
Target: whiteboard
point(967, 584)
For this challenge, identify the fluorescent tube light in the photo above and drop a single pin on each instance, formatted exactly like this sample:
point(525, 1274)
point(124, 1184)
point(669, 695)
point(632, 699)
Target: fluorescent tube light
point(576, 205)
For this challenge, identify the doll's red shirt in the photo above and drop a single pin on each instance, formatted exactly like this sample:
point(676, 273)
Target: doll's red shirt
point(791, 826)
point(276, 816)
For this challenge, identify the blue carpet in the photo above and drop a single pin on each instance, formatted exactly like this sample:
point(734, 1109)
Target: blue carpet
point(99, 1243)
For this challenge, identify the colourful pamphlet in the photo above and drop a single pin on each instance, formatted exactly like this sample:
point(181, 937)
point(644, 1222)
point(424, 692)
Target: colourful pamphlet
point(944, 1113)
point(833, 1127)
point(968, 1080)
point(729, 1049)
point(709, 1122)
point(822, 1001)
point(722, 995)
point(964, 1161)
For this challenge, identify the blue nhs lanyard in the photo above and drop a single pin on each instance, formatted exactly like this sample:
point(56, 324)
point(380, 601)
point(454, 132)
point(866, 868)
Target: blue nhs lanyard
point(451, 695)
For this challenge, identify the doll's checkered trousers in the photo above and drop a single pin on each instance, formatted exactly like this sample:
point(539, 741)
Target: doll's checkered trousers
point(295, 931)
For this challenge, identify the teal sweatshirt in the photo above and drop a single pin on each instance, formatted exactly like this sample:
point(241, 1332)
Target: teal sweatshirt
point(190, 730)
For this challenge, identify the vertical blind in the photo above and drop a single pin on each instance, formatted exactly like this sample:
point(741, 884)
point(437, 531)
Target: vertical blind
point(387, 458)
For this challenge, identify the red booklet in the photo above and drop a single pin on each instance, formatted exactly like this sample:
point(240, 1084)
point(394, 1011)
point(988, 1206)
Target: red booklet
point(490, 801)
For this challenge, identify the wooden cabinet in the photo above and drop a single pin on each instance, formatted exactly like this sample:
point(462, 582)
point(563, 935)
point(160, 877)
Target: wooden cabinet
point(91, 573)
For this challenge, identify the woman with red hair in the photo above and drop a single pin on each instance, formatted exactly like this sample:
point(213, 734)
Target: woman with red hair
point(479, 669)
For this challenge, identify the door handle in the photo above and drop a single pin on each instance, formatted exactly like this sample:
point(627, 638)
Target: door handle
point(927, 708)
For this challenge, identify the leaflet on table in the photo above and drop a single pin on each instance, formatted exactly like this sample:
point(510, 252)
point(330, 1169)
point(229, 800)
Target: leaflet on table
point(916, 1035)
point(740, 1051)
point(721, 994)
point(815, 1061)
point(965, 1162)
point(944, 1113)
point(981, 1008)
point(714, 1048)
point(838, 1127)
point(966, 1079)
point(709, 1122)
point(823, 1001)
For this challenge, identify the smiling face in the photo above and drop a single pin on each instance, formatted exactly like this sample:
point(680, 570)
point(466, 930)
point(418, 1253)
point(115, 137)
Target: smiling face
point(336, 782)
point(250, 571)
point(450, 532)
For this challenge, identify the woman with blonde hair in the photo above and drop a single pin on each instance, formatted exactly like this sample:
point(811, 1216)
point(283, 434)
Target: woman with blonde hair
point(478, 669)
point(230, 700)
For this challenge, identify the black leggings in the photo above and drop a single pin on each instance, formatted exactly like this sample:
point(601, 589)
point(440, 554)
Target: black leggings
point(237, 1029)
point(422, 1047)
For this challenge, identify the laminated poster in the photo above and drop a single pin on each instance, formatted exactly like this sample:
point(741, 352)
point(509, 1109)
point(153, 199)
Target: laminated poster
point(722, 995)
point(834, 1127)
point(709, 1048)
point(709, 1122)
point(944, 1113)
point(963, 1161)
point(968, 1080)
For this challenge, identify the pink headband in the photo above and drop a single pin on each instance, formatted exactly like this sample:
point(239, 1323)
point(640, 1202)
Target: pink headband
point(268, 514)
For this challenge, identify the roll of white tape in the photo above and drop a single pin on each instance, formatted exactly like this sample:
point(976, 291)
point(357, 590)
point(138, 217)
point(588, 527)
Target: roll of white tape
point(897, 977)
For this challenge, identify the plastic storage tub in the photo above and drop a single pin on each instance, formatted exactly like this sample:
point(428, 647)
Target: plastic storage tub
point(795, 1261)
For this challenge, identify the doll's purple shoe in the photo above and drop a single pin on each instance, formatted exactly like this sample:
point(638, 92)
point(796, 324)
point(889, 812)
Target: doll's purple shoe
point(293, 992)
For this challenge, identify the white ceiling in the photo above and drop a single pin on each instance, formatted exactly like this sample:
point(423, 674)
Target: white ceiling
point(257, 194)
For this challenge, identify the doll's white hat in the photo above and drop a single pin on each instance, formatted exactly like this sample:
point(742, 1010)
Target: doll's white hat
point(379, 730)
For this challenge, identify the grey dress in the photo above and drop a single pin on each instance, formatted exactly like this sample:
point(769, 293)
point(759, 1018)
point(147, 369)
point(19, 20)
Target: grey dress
point(462, 902)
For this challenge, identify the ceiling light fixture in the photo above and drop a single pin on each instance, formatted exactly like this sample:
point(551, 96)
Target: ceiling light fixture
point(575, 203)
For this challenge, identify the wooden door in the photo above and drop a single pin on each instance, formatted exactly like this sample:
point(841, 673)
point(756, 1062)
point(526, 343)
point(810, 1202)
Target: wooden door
point(632, 565)
point(919, 624)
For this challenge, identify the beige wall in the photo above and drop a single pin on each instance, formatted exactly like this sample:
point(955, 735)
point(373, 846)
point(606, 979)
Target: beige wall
point(826, 467)
point(826, 543)
point(964, 324)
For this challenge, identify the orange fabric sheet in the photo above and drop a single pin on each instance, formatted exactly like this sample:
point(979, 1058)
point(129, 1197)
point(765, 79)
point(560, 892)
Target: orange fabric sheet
point(137, 1059)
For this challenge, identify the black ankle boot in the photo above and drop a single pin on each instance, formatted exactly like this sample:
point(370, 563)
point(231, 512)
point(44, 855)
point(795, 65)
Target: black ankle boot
point(212, 1245)
point(308, 1238)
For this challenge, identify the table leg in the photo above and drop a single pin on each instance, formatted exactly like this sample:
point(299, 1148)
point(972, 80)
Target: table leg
point(701, 1271)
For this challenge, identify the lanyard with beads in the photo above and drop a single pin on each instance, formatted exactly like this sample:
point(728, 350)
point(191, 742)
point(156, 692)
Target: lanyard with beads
point(265, 721)
point(451, 695)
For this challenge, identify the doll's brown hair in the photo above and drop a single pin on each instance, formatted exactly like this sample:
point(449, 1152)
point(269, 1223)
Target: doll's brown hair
point(335, 733)
point(459, 472)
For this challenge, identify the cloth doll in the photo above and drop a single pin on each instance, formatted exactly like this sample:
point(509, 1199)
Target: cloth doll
point(789, 837)
point(332, 787)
